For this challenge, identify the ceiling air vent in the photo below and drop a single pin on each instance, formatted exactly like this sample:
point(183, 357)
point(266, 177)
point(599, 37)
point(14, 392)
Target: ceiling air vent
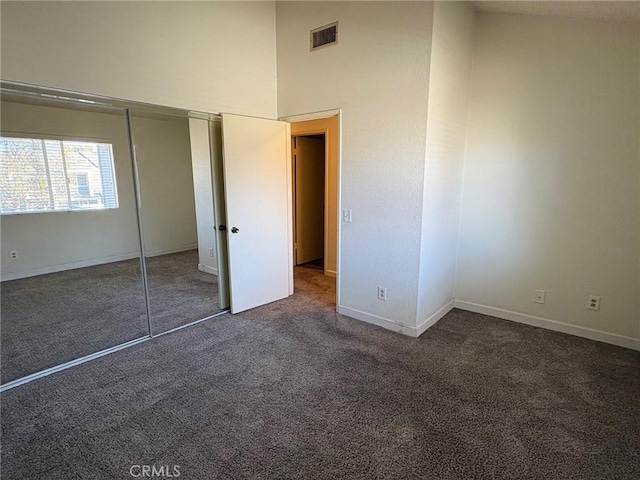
point(324, 36)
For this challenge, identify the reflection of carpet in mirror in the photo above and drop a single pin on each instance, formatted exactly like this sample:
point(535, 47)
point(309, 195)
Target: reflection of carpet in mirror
point(179, 293)
point(52, 319)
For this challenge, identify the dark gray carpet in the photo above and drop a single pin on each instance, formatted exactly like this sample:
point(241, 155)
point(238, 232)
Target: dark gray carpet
point(179, 293)
point(55, 318)
point(294, 390)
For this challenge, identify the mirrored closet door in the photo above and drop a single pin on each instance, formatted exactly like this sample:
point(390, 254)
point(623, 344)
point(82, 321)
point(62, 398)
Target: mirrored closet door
point(99, 249)
point(177, 218)
point(71, 275)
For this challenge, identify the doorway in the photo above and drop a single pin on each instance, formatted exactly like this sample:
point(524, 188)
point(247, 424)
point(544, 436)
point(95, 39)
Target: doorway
point(258, 157)
point(309, 200)
point(317, 141)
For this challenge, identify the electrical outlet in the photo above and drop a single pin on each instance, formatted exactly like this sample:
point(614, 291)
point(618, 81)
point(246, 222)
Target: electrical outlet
point(211, 251)
point(540, 296)
point(382, 293)
point(593, 302)
point(346, 215)
point(13, 254)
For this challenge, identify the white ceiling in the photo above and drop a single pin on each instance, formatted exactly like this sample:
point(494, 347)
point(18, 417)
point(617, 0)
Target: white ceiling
point(624, 11)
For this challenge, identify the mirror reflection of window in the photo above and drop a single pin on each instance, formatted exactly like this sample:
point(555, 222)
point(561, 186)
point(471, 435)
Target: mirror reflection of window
point(82, 181)
point(95, 291)
point(48, 175)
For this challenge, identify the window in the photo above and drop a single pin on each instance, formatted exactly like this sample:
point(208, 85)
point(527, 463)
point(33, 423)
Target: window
point(82, 179)
point(45, 175)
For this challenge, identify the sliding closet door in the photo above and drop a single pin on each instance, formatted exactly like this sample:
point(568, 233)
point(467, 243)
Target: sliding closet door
point(71, 275)
point(176, 214)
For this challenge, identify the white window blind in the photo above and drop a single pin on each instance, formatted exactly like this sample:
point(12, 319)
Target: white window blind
point(46, 175)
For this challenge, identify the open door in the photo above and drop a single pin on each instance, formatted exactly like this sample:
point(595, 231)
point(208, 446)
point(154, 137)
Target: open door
point(309, 198)
point(258, 203)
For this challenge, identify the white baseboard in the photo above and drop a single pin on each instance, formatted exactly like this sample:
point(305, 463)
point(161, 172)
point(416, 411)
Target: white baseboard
point(91, 263)
point(393, 325)
point(410, 330)
point(207, 269)
point(168, 251)
point(68, 266)
point(330, 273)
point(598, 335)
point(433, 319)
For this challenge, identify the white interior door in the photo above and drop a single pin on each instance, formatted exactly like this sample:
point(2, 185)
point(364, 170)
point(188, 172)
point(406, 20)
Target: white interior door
point(257, 181)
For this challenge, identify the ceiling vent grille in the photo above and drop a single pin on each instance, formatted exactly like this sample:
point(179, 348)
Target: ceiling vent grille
point(324, 36)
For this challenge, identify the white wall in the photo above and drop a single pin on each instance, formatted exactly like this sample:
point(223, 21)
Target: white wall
point(551, 188)
point(203, 192)
point(378, 75)
point(60, 240)
point(163, 154)
point(450, 74)
point(210, 56)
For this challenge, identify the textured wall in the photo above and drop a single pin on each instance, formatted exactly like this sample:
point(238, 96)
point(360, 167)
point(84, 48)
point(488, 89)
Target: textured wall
point(203, 194)
point(210, 56)
point(450, 74)
point(163, 153)
point(378, 75)
point(551, 188)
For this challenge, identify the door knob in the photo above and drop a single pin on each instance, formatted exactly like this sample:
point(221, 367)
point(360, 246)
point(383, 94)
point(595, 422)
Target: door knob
point(234, 230)
point(222, 228)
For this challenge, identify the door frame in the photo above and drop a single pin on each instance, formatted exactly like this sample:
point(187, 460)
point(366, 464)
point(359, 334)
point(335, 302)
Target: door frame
point(325, 195)
point(319, 115)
